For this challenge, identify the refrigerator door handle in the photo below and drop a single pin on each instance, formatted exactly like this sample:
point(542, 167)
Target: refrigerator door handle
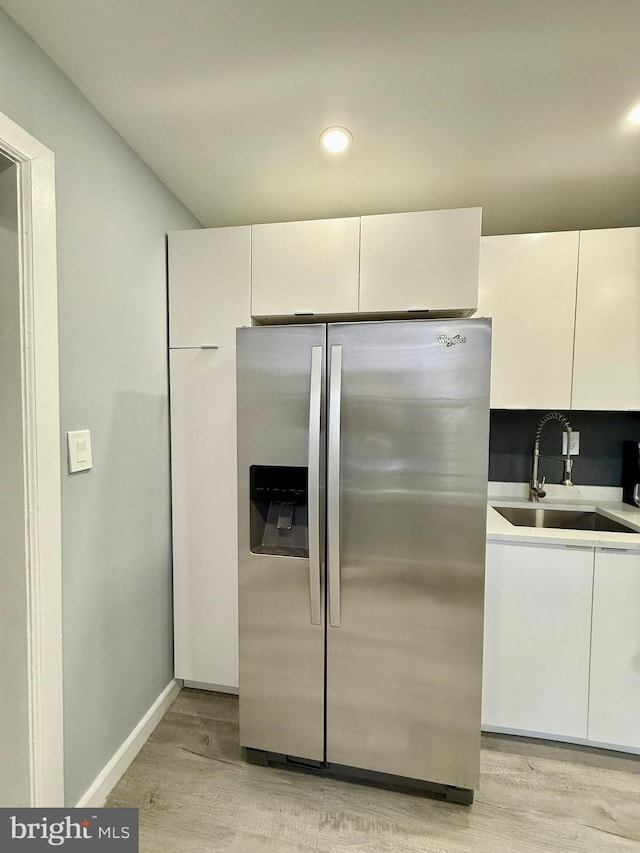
point(333, 485)
point(315, 397)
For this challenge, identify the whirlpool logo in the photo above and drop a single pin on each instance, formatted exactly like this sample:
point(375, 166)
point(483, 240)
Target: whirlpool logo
point(451, 341)
point(42, 829)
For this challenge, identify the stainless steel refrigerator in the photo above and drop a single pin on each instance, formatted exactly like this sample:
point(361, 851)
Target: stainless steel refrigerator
point(362, 464)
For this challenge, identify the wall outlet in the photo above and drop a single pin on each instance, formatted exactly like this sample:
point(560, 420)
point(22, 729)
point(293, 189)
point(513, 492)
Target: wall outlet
point(574, 445)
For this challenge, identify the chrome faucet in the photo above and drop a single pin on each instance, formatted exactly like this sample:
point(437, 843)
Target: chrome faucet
point(536, 486)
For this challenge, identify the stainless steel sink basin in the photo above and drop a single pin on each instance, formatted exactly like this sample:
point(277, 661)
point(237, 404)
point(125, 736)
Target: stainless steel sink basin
point(566, 519)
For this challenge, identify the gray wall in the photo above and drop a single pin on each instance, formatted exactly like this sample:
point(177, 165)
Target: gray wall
point(14, 724)
point(112, 217)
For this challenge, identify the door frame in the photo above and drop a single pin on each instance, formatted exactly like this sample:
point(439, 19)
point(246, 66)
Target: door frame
point(41, 456)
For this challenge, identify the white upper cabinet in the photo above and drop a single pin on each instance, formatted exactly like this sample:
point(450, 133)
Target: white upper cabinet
point(607, 345)
point(386, 264)
point(305, 267)
point(209, 286)
point(424, 261)
point(528, 287)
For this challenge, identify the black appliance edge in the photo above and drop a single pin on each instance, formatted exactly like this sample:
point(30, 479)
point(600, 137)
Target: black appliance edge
point(434, 790)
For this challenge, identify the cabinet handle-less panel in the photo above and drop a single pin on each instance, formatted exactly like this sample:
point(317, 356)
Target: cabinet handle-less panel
point(209, 286)
point(420, 261)
point(204, 477)
point(607, 350)
point(537, 637)
point(305, 267)
point(528, 287)
point(614, 706)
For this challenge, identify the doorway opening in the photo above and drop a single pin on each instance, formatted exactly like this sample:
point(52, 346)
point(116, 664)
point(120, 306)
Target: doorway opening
point(31, 729)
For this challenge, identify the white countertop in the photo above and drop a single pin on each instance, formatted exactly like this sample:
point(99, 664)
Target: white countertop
point(586, 499)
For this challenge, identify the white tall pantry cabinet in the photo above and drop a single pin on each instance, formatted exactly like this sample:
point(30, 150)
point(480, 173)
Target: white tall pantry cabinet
point(209, 296)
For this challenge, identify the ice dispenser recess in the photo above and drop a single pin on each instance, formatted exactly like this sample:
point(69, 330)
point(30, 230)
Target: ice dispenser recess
point(278, 510)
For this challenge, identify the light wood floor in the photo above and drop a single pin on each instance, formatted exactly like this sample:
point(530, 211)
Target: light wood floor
point(196, 794)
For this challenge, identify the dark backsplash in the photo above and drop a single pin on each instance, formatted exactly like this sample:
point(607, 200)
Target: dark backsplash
point(601, 437)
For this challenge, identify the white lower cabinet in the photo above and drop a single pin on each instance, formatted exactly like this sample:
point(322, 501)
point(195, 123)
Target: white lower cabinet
point(204, 490)
point(537, 638)
point(614, 699)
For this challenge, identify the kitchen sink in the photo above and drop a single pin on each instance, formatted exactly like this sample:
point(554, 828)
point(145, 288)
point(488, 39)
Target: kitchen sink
point(565, 519)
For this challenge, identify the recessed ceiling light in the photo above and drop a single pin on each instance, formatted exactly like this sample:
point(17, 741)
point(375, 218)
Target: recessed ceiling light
point(336, 139)
point(634, 115)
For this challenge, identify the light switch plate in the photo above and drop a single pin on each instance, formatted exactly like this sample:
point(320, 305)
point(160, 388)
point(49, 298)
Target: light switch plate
point(574, 446)
point(79, 450)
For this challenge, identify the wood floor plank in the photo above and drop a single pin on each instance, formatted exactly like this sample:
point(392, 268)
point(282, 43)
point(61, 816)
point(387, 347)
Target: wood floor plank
point(197, 795)
point(200, 703)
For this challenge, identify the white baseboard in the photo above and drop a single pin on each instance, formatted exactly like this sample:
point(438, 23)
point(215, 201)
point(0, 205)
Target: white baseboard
point(560, 739)
point(115, 768)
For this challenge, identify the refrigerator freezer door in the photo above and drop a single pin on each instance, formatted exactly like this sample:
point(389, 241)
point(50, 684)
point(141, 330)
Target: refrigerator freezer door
point(404, 667)
point(281, 378)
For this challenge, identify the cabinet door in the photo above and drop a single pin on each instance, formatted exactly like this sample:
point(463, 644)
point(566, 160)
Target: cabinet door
point(305, 267)
point(424, 261)
point(536, 642)
point(614, 706)
point(209, 286)
point(528, 287)
point(606, 373)
point(205, 551)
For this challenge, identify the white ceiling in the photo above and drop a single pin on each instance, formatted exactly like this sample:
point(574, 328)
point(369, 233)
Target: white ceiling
point(514, 105)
